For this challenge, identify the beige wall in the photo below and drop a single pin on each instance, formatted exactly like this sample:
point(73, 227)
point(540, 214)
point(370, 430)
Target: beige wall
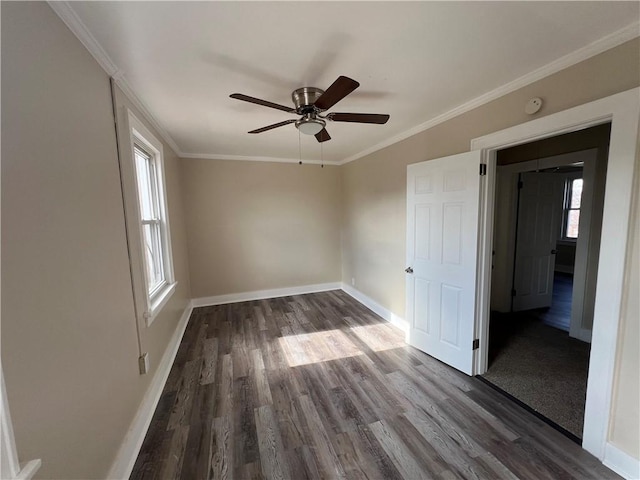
point(69, 348)
point(256, 225)
point(374, 187)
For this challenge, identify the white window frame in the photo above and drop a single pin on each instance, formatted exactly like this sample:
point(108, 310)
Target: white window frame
point(566, 205)
point(148, 304)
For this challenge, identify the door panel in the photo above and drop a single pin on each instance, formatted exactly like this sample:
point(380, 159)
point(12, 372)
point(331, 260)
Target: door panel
point(539, 221)
point(442, 233)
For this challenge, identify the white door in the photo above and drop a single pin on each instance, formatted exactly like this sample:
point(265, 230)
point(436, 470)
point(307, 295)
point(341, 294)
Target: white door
point(442, 245)
point(539, 221)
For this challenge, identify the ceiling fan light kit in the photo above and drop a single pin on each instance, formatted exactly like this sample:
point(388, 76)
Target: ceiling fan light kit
point(310, 103)
point(310, 125)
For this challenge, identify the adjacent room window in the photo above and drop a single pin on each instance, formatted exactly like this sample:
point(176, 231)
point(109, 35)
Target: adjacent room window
point(572, 201)
point(148, 222)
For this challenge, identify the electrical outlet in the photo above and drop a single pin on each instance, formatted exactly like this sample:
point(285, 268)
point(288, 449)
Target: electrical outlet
point(143, 363)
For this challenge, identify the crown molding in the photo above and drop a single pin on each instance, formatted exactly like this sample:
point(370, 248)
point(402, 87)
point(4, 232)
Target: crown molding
point(70, 18)
point(135, 100)
point(603, 44)
point(79, 29)
point(242, 158)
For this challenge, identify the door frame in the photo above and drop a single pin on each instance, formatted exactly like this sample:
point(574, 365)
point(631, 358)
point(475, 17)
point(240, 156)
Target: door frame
point(584, 244)
point(623, 111)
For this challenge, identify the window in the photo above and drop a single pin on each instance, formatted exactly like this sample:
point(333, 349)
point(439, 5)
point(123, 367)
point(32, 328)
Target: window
point(147, 221)
point(150, 218)
point(572, 201)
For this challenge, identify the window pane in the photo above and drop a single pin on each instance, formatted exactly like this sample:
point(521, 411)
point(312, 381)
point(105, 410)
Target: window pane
point(145, 184)
point(573, 222)
point(576, 193)
point(153, 255)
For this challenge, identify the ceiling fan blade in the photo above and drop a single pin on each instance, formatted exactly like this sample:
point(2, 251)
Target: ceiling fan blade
point(323, 135)
point(275, 125)
point(359, 117)
point(339, 89)
point(264, 103)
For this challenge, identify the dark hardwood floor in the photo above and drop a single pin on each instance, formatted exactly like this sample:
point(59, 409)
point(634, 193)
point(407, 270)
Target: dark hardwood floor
point(317, 386)
point(559, 314)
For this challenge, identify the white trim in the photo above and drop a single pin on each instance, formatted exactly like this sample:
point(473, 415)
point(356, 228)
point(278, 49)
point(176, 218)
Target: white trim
point(9, 463)
point(242, 158)
point(484, 260)
point(79, 29)
point(29, 470)
point(262, 294)
point(375, 307)
point(623, 110)
point(132, 131)
point(70, 18)
point(123, 464)
point(130, 94)
point(622, 463)
point(160, 301)
point(605, 43)
point(548, 162)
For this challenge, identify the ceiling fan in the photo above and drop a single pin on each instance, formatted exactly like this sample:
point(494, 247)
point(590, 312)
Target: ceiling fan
point(310, 103)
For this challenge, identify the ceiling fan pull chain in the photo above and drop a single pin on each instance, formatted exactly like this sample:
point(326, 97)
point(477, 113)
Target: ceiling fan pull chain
point(321, 157)
point(299, 149)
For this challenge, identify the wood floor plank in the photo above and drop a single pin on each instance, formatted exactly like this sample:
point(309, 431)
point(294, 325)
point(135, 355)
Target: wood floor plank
point(244, 424)
point(185, 395)
point(209, 361)
point(398, 451)
point(372, 458)
point(172, 468)
point(221, 463)
point(317, 386)
point(326, 457)
point(224, 392)
point(273, 457)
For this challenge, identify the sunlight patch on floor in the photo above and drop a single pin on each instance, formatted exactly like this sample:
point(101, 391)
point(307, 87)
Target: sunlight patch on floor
point(306, 348)
point(302, 349)
point(378, 337)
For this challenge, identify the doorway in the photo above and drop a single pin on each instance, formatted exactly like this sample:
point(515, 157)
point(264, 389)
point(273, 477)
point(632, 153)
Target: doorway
point(623, 111)
point(548, 217)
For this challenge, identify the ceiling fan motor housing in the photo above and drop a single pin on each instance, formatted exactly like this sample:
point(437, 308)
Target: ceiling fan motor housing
point(304, 99)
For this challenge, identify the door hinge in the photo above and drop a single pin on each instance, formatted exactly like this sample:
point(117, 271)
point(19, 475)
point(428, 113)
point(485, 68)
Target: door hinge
point(483, 169)
point(520, 184)
point(476, 344)
point(513, 292)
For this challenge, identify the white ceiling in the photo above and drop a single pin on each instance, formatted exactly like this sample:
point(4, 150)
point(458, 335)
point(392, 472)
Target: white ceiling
point(415, 61)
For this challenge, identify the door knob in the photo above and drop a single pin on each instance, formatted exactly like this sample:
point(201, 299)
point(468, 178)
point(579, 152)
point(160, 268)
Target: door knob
point(408, 270)
point(554, 251)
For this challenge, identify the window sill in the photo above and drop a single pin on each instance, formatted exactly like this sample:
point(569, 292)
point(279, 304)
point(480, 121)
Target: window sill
point(160, 299)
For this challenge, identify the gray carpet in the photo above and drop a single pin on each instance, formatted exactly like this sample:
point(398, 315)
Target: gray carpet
point(540, 366)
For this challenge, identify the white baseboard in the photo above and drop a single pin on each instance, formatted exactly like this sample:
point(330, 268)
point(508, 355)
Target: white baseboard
point(622, 463)
point(262, 294)
point(371, 304)
point(128, 453)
